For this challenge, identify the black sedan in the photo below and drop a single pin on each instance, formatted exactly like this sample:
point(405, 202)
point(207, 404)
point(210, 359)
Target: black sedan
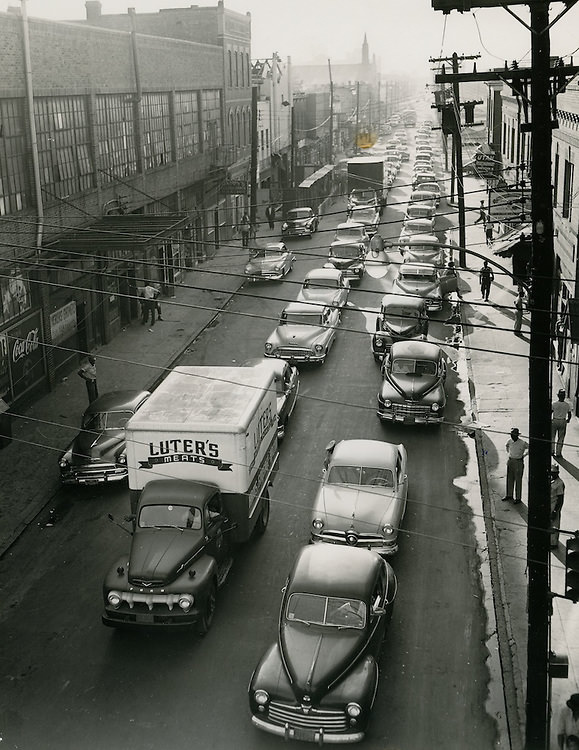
point(97, 454)
point(318, 681)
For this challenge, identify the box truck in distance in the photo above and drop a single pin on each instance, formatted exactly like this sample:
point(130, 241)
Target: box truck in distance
point(200, 461)
point(366, 173)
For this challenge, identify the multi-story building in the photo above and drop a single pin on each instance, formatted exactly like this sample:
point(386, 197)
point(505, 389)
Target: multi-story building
point(124, 156)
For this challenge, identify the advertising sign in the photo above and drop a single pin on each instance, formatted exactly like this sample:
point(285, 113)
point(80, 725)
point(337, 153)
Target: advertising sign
point(63, 323)
point(26, 354)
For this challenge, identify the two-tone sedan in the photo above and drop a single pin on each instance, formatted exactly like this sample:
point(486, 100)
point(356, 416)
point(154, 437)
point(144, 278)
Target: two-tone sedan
point(318, 681)
point(272, 262)
point(362, 497)
point(305, 333)
point(97, 455)
point(412, 390)
point(300, 222)
point(423, 280)
point(287, 387)
point(325, 286)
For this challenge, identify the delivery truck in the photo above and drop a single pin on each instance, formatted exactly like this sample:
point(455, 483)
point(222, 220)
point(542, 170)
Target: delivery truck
point(369, 173)
point(200, 459)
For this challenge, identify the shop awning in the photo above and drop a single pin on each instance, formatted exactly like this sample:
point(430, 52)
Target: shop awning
point(317, 175)
point(122, 231)
point(507, 244)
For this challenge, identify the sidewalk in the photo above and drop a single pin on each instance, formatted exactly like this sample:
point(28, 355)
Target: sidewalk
point(498, 367)
point(136, 358)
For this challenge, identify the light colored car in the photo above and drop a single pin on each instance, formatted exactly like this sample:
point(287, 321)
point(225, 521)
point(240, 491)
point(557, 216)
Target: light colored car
point(287, 387)
point(273, 262)
point(423, 280)
point(418, 211)
point(425, 248)
point(422, 175)
point(325, 286)
point(352, 232)
point(412, 390)
point(425, 195)
point(413, 227)
point(304, 334)
point(362, 497)
point(368, 216)
point(360, 198)
point(431, 187)
point(300, 222)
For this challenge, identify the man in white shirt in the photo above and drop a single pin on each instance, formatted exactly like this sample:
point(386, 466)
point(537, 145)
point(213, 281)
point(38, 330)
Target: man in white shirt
point(516, 449)
point(561, 411)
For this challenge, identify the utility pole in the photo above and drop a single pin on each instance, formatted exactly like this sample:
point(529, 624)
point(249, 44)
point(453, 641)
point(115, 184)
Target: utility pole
point(253, 163)
point(357, 116)
point(543, 96)
point(331, 159)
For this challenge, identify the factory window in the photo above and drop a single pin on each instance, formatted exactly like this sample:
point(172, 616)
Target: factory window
point(211, 118)
point(156, 130)
point(567, 189)
point(115, 137)
point(555, 180)
point(63, 146)
point(187, 124)
point(12, 157)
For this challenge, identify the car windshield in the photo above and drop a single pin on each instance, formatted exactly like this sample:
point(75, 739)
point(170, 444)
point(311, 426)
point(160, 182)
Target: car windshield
point(106, 420)
point(362, 196)
point(425, 276)
point(413, 367)
point(302, 319)
point(349, 232)
point(345, 251)
point(361, 476)
point(364, 215)
point(330, 611)
point(399, 316)
point(298, 213)
point(416, 210)
point(321, 284)
point(170, 516)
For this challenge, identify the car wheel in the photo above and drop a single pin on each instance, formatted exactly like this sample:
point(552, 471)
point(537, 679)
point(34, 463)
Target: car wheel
point(205, 620)
point(263, 519)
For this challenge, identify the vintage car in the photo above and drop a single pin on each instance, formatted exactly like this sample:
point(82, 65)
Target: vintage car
point(349, 258)
point(430, 187)
point(180, 554)
point(325, 286)
point(287, 386)
point(362, 496)
point(413, 227)
point(300, 222)
point(425, 196)
point(420, 211)
point(412, 389)
point(97, 454)
point(423, 280)
point(273, 262)
point(318, 682)
point(423, 174)
point(360, 198)
point(400, 318)
point(352, 231)
point(394, 160)
point(369, 217)
point(425, 248)
point(305, 333)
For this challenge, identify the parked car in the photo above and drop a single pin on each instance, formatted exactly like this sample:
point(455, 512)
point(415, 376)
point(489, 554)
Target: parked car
point(304, 334)
point(368, 216)
point(273, 262)
point(400, 318)
point(287, 387)
point(425, 248)
point(362, 496)
point(300, 222)
point(412, 390)
point(318, 681)
point(325, 286)
point(97, 454)
point(423, 280)
point(359, 198)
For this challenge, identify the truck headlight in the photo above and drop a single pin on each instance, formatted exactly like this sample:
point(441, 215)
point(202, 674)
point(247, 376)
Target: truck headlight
point(318, 524)
point(387, 529)
point(353, 710)
point(435, 407)
point(261, 697)
point(186, 601)
point(114, 599)
point(268, 347)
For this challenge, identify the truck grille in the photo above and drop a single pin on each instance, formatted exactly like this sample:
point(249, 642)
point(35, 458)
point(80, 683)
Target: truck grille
point(326, 719)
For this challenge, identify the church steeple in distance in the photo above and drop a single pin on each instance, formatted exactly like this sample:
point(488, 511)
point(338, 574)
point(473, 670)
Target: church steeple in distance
point(365, 55)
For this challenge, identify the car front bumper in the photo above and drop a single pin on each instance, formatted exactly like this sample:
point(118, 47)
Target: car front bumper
point(295, 231)
point(380, 546)
point(410, 417)
point(308, 735)
point(298, 356)
point(265, 276)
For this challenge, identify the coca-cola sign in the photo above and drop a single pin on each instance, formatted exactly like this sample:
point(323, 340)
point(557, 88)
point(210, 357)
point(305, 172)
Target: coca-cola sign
point(24, 347)
point(26, 354)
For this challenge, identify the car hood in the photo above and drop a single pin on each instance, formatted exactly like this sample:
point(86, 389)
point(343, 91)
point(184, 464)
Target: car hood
point(316, 656)
point(416, 286)
point(158, 555)
point(90, 445)
point(264, 264)
point(296, 335)
point(321, 296)
point(363, 509)
point(400, 326)
point(411, 387)
point(298, 222)
point(422, 255)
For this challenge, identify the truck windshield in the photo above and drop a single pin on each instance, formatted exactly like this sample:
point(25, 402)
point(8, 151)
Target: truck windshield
point(332, 611)
point(170, 516)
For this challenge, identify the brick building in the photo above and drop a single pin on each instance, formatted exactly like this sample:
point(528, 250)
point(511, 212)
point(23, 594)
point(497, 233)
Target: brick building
point(118, 135)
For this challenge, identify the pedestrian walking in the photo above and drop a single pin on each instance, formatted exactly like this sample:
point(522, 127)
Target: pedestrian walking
point(557, 499)
point(245, 229)
point(568, 721)
point(482, 216)
point(561, 416)
point(486, 277)
point(516, 449)
point(560, 333)
point(270, 215)
point(519, 302)
point(89, 374)
point(489, 229)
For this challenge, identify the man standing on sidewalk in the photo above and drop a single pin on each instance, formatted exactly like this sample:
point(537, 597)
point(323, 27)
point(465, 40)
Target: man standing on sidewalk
point(88, 373)
point(557, 498)
point(270, 215)
point(518, 313)
point(561, 411)
point(486, 276)
point(516, 449)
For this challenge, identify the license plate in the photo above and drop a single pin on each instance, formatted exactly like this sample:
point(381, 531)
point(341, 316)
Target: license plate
point(145, 618)
point(305, 735)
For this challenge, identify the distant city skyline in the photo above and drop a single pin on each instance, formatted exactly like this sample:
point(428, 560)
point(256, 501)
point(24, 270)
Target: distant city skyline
point(402, 35)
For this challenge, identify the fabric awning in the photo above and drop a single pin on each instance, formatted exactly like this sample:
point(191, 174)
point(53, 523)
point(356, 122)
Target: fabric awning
point(317, 175)
point(507, 244)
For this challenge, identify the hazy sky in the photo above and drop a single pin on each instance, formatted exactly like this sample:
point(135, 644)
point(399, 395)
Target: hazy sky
point(403, 34)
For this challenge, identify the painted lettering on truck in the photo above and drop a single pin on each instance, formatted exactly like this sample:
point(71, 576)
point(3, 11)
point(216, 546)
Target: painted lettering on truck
point(184, 450)
point(266, 420)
